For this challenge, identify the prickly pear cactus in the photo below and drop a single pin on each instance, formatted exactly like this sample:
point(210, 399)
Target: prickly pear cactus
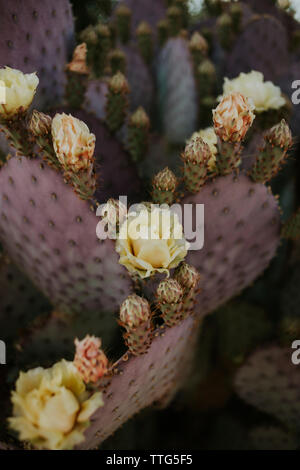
point(242, 327)
point(52, 234)
point(238, 245)
point(95, 98)
point(177, 91)
point(138, 382)
point(50, 337)
point(270, 381)
point(106, 146)
point(20, 301)
point(139, 78)
point(262, 46)
point(38, 37)
point(153, 11)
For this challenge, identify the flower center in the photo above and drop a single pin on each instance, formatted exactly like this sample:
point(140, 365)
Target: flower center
point(59, 412)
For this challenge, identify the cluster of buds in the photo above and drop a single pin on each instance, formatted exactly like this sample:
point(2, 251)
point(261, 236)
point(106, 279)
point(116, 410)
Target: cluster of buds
point(135, 317)
point(176, 297)
point(278, 141)
point(90, 360)
point(164, 185)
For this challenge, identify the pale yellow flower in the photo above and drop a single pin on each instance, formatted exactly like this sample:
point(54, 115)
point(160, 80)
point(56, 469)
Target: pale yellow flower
point(209, 136)
point(73, 143)
point(284, 4)
point(19, 92)
point(151, 241)
point(51, 407)
point(233, 117)
point(265, 95)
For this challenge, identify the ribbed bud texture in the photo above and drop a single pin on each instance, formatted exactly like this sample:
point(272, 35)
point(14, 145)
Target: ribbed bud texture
point(164, 185)
point(278, 140)
point(169, 296)
point(135, 317)
point(196, 157)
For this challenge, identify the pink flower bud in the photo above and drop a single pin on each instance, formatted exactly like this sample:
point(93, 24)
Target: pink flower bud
point(233, 117)
point(90, 360)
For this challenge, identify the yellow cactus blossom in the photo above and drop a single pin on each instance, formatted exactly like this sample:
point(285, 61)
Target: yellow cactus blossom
point(19, 91)
point(265, 95)
point(51, 407)
point(151, 241)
